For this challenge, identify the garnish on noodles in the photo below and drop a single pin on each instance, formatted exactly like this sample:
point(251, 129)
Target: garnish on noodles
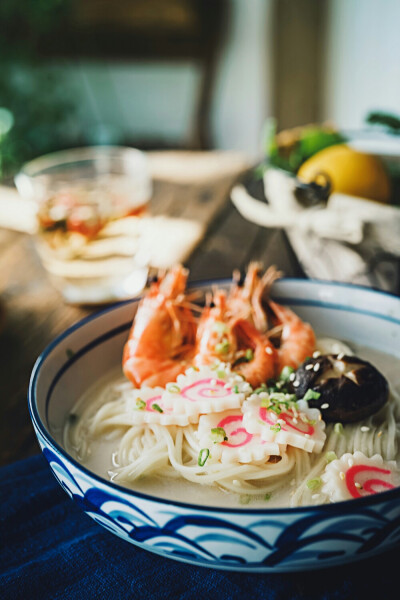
point(233, 394)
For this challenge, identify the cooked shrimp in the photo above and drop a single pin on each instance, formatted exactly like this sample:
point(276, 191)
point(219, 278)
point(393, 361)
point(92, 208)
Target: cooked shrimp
point(161, 341)
point(214, 339)
point(255, 355)
point(240, 296)
point(297, 337)
point(245, 300)
point(234, 340)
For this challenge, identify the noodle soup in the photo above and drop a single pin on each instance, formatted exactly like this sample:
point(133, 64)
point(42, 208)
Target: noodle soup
point(161, 460)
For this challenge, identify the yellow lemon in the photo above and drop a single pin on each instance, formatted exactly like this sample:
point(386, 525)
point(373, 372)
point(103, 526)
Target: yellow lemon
point(350, 172)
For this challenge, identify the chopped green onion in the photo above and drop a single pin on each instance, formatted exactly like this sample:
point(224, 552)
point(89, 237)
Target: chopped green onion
point(236, 389)
point(222, 347)
point(311, 395)
point(262, 388)
point(175, 389)
point(267, 496)
point(157, 407)
point(265, 402)
point(330, 456)
point(244, 499)
point(283, 398)
point(140, 404)
point(307, 421)
point(220, 327)
point(338, 428)
point(218, 435)
point(203, 455)
point(286, 373)
point(221, 374)
point(249, 354)
point(276, 427)
point(314, 484)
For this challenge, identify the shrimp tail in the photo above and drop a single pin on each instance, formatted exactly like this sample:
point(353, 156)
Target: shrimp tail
point(262, 291)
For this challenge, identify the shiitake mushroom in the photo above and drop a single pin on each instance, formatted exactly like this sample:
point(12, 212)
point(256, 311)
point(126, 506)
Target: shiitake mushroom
point(352, 388)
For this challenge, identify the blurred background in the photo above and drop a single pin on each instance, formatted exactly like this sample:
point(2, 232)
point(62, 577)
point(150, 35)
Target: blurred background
point(192, 74)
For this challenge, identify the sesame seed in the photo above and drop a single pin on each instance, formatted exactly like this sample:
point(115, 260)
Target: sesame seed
point(306, 435)
point(340, 356)
point(364, 428)
point(358, 485)
point(325, 405)
point(350, 462)
point(309, 367)
point(281, 422)
point(292, 376)
point(342, 475)
point(317, 367)
point(316, 354)
point(296, 383)
point(295, 420)
point(213, 382)
point(379, 433)
point(227, 386)
point(315, 496)
point(268, 350)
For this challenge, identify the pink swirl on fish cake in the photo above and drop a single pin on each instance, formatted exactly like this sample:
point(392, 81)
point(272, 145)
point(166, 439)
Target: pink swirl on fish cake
point(156, 400)
point(216, 389)
point(287, 417)
point(368, 485)
point(228, 424)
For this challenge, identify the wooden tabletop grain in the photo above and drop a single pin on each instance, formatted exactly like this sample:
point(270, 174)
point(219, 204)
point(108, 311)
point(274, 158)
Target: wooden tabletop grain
point(32, 312)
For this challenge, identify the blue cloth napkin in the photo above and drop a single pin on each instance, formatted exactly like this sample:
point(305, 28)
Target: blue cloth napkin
point(51, 549)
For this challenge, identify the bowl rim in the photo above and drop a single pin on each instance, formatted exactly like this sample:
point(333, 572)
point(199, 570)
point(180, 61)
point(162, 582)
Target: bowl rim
point(332, 507)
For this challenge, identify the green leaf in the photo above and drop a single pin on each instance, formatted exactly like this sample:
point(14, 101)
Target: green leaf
point(387, 120)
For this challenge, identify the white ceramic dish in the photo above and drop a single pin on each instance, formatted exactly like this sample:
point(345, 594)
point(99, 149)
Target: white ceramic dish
point(240, 539)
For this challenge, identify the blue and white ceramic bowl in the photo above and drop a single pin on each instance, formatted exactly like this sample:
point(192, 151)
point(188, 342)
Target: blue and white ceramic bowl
point(241, 539)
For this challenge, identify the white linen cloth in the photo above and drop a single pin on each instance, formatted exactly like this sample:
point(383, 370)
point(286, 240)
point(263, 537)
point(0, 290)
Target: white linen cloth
point(351, 239)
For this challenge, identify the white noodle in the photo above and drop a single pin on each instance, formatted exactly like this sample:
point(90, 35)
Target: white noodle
point(172, 452)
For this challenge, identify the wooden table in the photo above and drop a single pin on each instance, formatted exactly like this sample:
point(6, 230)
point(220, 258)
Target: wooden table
point(33, 312)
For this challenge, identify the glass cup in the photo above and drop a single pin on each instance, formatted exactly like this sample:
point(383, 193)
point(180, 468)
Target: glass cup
point(90, 202)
